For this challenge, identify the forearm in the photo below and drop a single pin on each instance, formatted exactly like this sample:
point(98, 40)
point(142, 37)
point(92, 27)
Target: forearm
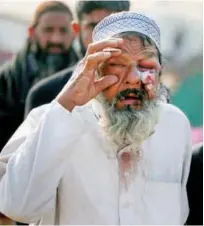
point(34, 170)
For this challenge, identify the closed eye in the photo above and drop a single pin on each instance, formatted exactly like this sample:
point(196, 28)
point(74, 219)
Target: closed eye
point(150, 69)
point(116, 65)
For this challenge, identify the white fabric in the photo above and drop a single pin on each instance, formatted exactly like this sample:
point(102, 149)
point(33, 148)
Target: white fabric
point(55, 170)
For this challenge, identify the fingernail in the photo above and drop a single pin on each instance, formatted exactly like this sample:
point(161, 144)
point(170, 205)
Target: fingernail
point(114, 78)
point(120, 40)
point(108, 54)
point(111, 50)
point(149, 86)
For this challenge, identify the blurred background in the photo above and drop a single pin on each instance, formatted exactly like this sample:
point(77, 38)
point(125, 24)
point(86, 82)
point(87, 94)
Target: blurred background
point(181, 24)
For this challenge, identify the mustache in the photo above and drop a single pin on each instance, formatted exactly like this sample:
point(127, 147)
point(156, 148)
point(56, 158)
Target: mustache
point(139, 94)
point(52, 45)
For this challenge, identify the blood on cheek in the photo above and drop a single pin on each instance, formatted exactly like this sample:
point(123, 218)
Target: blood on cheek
point(148, 77)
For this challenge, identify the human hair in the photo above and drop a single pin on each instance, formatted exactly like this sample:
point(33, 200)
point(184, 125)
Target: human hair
point(50, 6)
point(146, 41)
point(85, 7)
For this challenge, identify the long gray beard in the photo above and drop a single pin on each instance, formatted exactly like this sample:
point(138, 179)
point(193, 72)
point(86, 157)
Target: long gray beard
point(129, 126)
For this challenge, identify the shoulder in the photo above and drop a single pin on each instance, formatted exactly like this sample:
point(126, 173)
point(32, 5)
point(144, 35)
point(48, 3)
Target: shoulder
point(47, 89)
point(84, 111)
point(174, 114)
point(12, 66)
point(36, 113)
point(174, 123)
point(53, 81)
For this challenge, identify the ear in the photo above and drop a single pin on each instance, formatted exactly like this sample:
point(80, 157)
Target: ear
point(75, 27)
point(31, 32)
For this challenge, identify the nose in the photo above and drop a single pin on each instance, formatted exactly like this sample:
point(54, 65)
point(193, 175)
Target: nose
point(133, 77)
point(56, 38)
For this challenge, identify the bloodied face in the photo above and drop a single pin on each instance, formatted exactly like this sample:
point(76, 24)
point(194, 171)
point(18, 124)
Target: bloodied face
point(138, 69)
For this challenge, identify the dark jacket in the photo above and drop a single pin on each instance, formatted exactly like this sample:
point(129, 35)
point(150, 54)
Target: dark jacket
point(15, 81)
point(47, 89)
point(195, 188)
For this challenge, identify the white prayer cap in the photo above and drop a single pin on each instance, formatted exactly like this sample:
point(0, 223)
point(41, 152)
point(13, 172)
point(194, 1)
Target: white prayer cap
point(124, 22)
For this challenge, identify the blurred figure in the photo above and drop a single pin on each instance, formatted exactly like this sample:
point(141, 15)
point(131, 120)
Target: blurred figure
point(89, 13)
point(47, 50)
point(195, 187)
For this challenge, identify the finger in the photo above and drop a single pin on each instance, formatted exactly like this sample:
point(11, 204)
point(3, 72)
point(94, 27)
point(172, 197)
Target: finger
point(105, 82)
point(93, 60)
point(114, 52)
point(98, 46)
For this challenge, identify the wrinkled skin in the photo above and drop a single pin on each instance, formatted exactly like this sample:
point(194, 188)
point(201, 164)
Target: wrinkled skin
point(121, 64)
point(137, 67)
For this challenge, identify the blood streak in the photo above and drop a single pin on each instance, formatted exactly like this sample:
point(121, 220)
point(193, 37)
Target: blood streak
point(148, 77)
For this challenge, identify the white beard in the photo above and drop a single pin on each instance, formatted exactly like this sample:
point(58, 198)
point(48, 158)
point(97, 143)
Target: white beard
point(127, 127)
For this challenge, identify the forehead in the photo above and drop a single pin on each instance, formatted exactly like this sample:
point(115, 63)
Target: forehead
point(55, 19)
point(135, 46)
point(95, 16)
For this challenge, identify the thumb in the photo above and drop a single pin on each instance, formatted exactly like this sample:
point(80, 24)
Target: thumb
point(105, 82)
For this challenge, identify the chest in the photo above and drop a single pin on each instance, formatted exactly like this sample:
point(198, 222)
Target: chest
point(91, 191)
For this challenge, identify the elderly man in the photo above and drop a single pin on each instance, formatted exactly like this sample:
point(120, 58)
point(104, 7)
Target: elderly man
point(108, 149)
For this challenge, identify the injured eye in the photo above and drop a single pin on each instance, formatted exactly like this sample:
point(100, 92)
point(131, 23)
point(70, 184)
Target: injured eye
point(116, 65)
point(149, 69)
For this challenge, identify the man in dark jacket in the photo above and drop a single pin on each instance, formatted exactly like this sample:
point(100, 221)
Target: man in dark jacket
point(89, 13)
point(195, 187)
point(47, 50)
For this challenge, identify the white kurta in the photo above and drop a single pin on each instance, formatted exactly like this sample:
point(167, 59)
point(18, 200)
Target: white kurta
point(55, 170)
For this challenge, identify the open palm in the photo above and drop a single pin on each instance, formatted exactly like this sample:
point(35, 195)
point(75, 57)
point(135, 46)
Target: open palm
point(83, 86)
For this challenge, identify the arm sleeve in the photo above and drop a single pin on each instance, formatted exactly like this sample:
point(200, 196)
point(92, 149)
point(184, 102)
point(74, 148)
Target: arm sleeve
point(33, 161)
point(185, 174)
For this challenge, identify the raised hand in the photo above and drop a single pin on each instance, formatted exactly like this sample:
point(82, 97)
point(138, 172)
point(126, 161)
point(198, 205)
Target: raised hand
point(83, 86)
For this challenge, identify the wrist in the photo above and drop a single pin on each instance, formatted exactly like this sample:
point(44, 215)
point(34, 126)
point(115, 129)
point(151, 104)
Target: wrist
point(66, 102)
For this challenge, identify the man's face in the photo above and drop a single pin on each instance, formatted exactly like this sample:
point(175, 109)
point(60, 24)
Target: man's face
point(135, 67)
point(53, 32)
point(88, 22)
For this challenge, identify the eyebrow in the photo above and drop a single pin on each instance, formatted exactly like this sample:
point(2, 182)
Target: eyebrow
point(144, 54)
point(148, 54)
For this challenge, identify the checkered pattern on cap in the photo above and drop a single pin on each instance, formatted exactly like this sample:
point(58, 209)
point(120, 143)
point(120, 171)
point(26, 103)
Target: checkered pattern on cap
point(127, 21)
